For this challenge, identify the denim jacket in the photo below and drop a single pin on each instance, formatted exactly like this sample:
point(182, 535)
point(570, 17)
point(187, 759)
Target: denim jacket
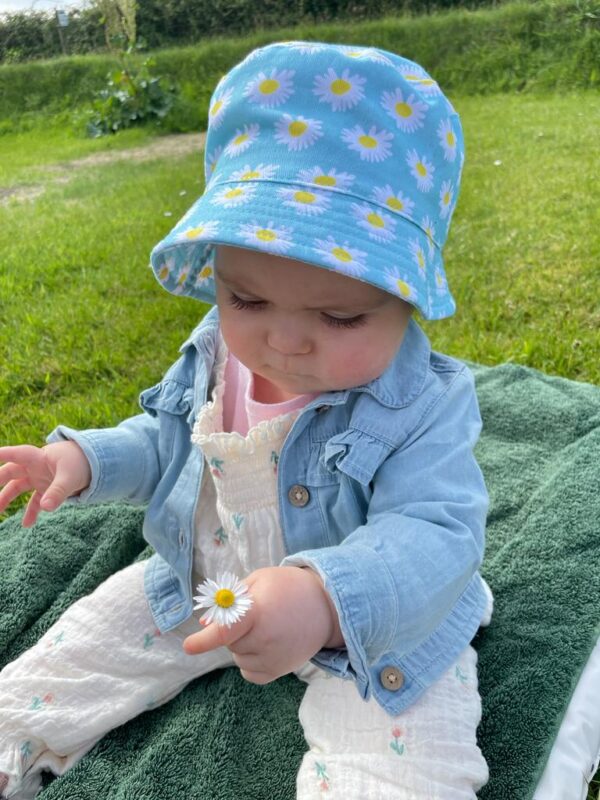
point(379, 492)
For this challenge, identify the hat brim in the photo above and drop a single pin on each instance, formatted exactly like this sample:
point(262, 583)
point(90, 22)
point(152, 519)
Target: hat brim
point(363, 240)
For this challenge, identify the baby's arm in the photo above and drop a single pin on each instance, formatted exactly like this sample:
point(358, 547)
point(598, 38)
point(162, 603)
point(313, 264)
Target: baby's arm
point(53, 473)
point(291, 618)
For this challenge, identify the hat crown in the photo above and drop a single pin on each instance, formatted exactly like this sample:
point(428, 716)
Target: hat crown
point(357, 120)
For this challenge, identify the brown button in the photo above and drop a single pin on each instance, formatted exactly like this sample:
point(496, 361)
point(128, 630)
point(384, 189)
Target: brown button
point(391, 678)
point(298, 495)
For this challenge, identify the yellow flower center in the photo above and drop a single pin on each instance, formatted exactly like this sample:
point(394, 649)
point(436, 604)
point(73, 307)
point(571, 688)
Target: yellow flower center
point(403, 288)
point(206, 272)
point(233, 193)
point(164, 273)
point(450, 138)
point(340, 86)
point(304, 197)
point(193, 232)
point(182, 278)
point(368, 141)
point(268, 86)
point(375, 220)
point(403, 110)
point(394, 203)
point(297, 128)
point(216, 107)
point(341, 254)
point(325, 180)
point(427, 82)
point(224, 598)
point(421, 169)
point(241, 138)
point(266, 235)
point(421, 258)
point(438, 280)
point(248, 176)
point(446, 199)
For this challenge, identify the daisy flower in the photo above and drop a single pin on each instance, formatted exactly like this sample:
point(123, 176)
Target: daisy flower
point(418, 254)
point(372, 146)
point(271, 90)
point(379, 225)
point(243, 139)
point(341, 180)
point(446, 196)
point(211, 162)
point(205, 275)
point(417, 76)
point(368, 54)
point(399, 286)
point(217, 108)
point(385, 195)
point(227, 600)
point(164, 273)
point(441, 284)
point(342, 92)
point(263, 172)
point(232, 196)
point(203, 230)
point(303, 200)
point(447, 139)
point(408, 113)
point(304, 47)
point(181, 279)
point(297, 132)
point(267, 237)
point(421, 169)
point(344, 258)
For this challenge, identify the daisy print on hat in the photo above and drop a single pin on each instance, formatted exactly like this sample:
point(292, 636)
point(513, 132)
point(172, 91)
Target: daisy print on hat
point(407, 112)
point(417, 76)
point(271, 90)
point(373, 145)
point(303, 200)
point(232, 196)
point(343, 257)
point(202, 230)
point(217, 108)
point(297, 132)
point(341, 92)
point(379, 225)
point(262, 172)
point(386, 196)
point(446, 195)
point(270, 237)
point(447, 139)
point(243, 139)
point(399, 286)
point(422, 169)
point(328, 179)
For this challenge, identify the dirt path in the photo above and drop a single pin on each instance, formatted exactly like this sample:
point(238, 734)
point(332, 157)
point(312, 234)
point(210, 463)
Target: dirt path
point(172, 146)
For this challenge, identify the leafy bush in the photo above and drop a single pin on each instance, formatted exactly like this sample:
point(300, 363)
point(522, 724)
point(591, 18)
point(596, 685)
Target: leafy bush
point(132, 97)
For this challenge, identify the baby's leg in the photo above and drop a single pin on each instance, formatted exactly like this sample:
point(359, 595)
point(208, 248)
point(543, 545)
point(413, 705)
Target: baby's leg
point(100, 665)
point(357, 751)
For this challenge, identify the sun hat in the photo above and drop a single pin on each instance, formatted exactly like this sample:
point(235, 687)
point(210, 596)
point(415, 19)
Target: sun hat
point(348, 158)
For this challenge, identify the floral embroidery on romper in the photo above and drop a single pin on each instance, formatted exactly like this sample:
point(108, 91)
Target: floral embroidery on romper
point(462, 677)
point(150, 637)
point(396, 745)
point(56, 640)
point(40, 702)
point(216, 467)
point(322, 776)
point(237, 520)
point(26, 750)
point(220, 537)
point(274, 461)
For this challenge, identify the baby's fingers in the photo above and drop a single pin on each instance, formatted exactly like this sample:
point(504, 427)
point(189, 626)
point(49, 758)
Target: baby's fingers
point(32, 511)
point(24, 454)
point(12, 490)
point(11, 472)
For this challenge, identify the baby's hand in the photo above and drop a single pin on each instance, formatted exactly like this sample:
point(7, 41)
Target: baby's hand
point(291, 618)
point(53, 472)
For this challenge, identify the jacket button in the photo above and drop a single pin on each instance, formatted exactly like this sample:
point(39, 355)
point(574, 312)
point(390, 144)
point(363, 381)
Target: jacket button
point(298, 495)
point(181, 537)
point(391, 678)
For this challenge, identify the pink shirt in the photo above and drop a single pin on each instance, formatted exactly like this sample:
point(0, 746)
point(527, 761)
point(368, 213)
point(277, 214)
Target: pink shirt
point(240, 411)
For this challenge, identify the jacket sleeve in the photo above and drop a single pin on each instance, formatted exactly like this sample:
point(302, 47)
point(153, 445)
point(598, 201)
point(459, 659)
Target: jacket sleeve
point(395, 578)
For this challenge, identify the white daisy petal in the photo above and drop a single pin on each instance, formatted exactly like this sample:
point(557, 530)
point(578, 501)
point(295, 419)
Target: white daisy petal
point(303, 200)
point(297, 132)
point(399, 286)
point(422, 169)
point(417, 77)
point(407, 112)
point(270, 237)
point(243, 139)
point(446, 197)
point(271, 90)
point(234, 195)
point(448, 139)
point(218, 107)
point(379, 225)
point(343, 257)
point(341, 92)
point(396, 201)
point(318, 176)
point(262, 172)
point(373, 145)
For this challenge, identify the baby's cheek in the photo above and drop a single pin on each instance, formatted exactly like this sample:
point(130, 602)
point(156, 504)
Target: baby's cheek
point(357, 366)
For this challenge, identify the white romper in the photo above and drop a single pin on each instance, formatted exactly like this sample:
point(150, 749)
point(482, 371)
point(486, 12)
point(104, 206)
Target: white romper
point(59, 698)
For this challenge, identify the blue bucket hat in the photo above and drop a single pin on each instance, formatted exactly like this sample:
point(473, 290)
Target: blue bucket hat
point(344, 157)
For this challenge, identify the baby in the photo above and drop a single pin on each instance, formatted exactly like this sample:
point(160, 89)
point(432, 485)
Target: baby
point(307, 440)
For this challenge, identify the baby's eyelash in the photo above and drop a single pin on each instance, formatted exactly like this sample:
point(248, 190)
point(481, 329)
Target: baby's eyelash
point(347, 322)
point(243, 305)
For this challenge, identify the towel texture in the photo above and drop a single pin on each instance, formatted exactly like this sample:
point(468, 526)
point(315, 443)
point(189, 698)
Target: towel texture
point(227, 739)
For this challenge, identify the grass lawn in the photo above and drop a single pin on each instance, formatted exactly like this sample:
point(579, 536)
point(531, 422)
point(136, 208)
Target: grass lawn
point(85, 326)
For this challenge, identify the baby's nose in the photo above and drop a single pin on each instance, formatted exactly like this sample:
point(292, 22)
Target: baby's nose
point(289, 338)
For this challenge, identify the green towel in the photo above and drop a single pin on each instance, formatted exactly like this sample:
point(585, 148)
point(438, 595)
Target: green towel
point(225, 739)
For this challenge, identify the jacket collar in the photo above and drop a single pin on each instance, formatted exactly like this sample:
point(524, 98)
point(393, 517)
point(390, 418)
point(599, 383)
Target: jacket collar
point(398, 386)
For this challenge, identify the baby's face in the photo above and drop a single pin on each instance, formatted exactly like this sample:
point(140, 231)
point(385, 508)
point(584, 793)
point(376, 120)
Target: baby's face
point(301, 328)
